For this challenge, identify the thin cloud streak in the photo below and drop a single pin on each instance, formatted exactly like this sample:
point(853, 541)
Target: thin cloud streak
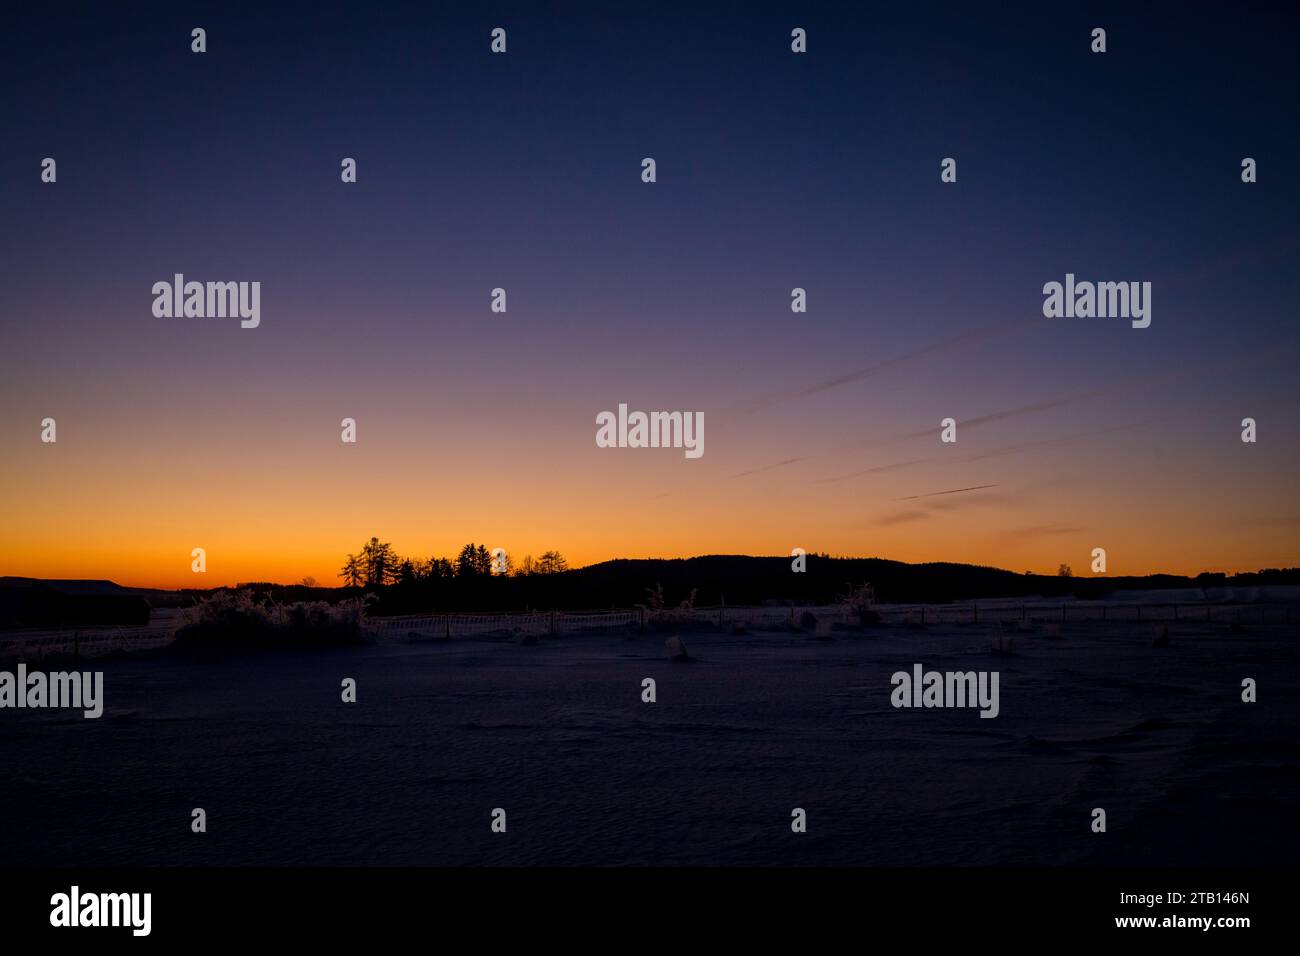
point(951, 491)
point(875, 470)
point(763, 468)
point(967, 423)
point(1122, 388)
point(996, 452)
point(932, 508)
point(903, 517)
point(937, 348)
point(1038, 531)
point(1222, 366)
point(1054, 442)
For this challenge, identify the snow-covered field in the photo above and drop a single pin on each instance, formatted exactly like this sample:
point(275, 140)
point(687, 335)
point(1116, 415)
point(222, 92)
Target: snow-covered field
point(1091, 715)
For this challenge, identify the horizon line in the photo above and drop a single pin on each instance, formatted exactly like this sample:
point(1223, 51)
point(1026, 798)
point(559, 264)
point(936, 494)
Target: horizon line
point(756, 557)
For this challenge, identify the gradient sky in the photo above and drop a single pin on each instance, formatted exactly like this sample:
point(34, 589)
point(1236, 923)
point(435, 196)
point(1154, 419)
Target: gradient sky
point(523, 171)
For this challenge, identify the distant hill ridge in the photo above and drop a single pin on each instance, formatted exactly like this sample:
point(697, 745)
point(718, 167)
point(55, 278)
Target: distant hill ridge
point(33, 602)
point(67, 586)
point(708, 580)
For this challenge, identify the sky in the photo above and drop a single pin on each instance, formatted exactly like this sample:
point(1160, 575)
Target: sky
point(522, 171)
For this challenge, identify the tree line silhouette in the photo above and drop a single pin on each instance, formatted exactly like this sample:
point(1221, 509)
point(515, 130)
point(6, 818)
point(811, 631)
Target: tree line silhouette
point(472, 581)
point(378, 565)
point(706, 581)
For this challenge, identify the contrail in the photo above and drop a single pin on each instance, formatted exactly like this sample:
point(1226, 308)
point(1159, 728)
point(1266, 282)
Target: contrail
point(858, 375)
point(878, 468)
point(926, 432)
point(1228, 263)
point(1054, 442)
point(1108, 390)
point(762, 468)
point(1006, 413)
point(995, 453)
point(953, 491)
point(1046, 405)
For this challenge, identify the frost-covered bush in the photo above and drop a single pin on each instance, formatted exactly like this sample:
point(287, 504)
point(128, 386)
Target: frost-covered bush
point(238, 620)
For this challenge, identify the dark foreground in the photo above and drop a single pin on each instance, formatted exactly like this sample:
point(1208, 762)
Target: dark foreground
point(558, 736)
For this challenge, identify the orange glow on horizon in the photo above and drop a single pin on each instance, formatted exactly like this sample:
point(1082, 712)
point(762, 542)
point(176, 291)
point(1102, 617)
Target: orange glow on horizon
point(273, 495)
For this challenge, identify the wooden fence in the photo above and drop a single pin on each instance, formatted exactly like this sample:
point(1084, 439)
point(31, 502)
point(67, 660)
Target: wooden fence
point(97, 642)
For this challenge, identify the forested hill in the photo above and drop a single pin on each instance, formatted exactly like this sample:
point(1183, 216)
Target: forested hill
point(705, 581)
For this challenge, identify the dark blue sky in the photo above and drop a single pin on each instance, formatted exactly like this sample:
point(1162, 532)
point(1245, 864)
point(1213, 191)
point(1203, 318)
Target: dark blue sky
point(775, 170)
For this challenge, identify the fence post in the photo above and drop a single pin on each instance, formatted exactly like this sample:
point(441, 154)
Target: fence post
point(641, 615)
point(1139, 612)
point(76, 646)
point(923, 615)
point(446, 622)
point(552, 623)
point(1175, 612)
point(975, 608)
point(1062, 612)
point(1022, 612)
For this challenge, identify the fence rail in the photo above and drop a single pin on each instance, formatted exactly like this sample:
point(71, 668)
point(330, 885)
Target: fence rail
point(84, 642)
point(1077, 611)
point(98, 642)
point(443, 626)
point(433, 627)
